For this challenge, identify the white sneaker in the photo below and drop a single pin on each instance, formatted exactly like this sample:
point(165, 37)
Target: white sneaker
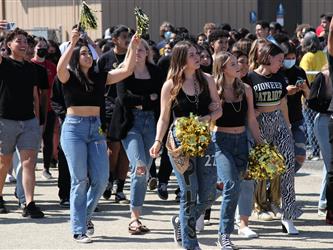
point(288, 227)
point(200, 225)
point(247, 232)
point(276, 211)
point(321, 212)
point(90, 228)
point(82, 238)
point(263, 215)
point(46, 174)
point(10, 179)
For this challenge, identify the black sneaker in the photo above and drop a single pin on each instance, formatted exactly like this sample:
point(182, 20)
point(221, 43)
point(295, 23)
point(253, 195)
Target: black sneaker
point(32, 211)
point(162, 191)
point(53, 163)
point(90, 228)
point(225, 243)
point(329, 217)
point(152, 183)
point(120, 197)
point(82, 238)
point(108, 191)
point(97, 209)
point(177, 192)
point(177, 235)
point(64, 203)
point(3, 209)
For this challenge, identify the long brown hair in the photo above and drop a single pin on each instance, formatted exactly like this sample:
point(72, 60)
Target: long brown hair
point(177, 69)
point(219, 64)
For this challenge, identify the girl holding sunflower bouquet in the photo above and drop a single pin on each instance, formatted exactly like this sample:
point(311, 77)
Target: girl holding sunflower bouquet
point(230, 137)
point(188, 91)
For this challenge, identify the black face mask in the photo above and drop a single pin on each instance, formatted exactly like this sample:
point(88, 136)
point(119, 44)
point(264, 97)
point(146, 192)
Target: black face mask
point(42, 52)
point(207, 69)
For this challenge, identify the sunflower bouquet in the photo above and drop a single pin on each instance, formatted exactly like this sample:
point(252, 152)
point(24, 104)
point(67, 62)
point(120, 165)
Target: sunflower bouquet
point(194, 135)
point(142, 22)
point(265, 162)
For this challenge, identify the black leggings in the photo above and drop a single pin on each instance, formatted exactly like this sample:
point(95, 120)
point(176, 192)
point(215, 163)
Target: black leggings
point(165, 169)
point(329, 189)
point(48, 139)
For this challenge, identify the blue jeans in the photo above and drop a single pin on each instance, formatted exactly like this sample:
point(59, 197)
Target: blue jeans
point(298, 132)
point(231, 158)
point(86, 153)
point(197, 192)
point(309, 116)
point(322, 134)
point(245, 200)
point(137, 143)
point(18, 172)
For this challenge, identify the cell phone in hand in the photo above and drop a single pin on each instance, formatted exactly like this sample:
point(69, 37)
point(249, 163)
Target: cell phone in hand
point(83, 35)
point(10, 26)
point(299, 82)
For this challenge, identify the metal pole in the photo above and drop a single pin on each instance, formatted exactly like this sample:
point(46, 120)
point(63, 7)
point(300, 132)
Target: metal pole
point(3, 5)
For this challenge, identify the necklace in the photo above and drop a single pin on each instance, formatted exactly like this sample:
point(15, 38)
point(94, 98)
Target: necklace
point(196, 95)
point(240, 107)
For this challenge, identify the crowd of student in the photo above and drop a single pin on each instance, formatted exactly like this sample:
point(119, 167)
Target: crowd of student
point(102, 108)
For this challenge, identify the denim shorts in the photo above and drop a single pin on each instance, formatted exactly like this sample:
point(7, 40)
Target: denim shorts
point(298, 131)
point(25, 135)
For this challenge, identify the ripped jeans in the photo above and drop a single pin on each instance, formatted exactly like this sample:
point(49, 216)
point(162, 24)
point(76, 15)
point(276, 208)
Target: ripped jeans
point(140, 138)
point(197, 192)
point(86, 153)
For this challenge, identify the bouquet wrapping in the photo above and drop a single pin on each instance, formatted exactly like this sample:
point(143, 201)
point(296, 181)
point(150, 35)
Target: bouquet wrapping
point(265, 162)
point(193, 135)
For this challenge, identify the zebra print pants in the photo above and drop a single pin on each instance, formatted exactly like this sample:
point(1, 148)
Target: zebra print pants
point(273, 129)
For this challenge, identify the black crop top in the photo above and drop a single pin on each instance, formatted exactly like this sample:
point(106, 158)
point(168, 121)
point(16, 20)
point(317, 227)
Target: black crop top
point(268, 91)
point(234, 114)
point(135, 92)
point(75, 93)
point(184, 104)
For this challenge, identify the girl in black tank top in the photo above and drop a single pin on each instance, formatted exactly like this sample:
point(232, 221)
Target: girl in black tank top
point(186, 91)
point(230, 138)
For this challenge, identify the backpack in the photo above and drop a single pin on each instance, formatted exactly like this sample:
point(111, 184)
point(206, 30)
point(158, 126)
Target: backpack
point(318, 99)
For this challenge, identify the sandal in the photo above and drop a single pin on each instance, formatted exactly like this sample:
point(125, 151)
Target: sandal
point(138, 229)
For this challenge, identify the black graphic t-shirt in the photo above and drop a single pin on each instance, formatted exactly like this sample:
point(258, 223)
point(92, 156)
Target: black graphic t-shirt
point(292, 76)
point(267, 90)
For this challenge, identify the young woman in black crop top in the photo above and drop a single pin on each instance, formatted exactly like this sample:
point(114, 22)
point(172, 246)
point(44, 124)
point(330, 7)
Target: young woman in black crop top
point(230, 137)
point(186, 91)
point(82, 138)
point(270, 91)
point(140, 95)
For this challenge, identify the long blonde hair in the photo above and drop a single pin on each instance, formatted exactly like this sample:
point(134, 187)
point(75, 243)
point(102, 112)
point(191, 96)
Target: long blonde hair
point(177, 69)
point(253, 54)
point(219, 64)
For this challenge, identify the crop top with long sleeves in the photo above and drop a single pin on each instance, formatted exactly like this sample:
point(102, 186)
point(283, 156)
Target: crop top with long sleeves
point(268, 91)
point(76, 94)
point(234, 114)
point(184, 104)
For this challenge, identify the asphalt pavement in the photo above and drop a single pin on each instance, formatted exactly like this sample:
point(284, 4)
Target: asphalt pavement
point(111, 223)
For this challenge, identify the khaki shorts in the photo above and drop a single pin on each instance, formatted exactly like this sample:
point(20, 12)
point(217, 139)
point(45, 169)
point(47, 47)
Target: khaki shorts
point(25, 135)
